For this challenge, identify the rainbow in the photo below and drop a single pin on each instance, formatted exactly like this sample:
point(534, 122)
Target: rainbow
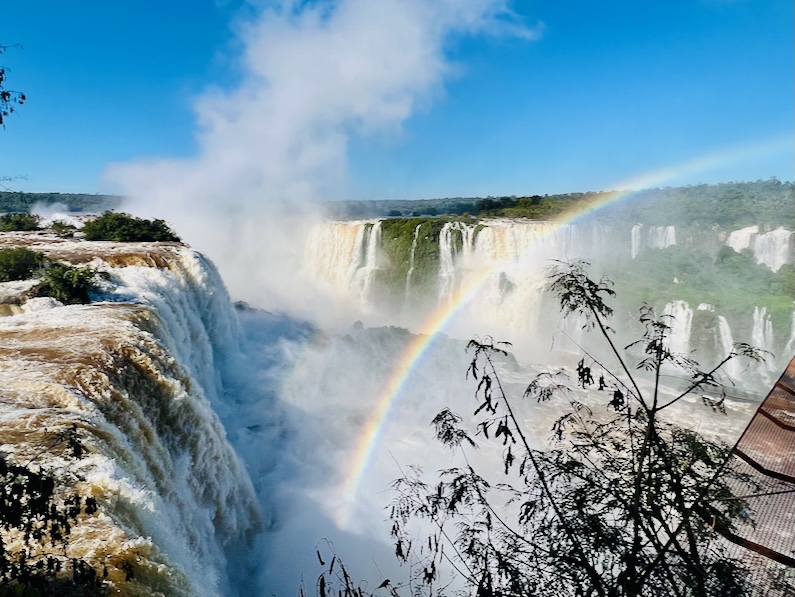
point(424, 336)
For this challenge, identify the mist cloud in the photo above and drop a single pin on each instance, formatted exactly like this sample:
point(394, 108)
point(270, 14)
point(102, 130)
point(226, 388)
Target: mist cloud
point(313, 75)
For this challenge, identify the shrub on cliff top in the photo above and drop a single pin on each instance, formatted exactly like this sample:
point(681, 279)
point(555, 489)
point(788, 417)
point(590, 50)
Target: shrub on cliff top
point(18, 221)
point(68, 284)
point(122, 227)
point(19, 263)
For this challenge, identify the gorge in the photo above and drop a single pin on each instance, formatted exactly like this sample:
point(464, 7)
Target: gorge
point(223, 442)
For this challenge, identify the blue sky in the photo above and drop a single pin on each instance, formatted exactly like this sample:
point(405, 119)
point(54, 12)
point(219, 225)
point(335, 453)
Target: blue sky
point(520, 98)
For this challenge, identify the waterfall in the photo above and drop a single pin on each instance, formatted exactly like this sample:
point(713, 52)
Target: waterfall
point(367, 272)
point(680, 320)
point(138, 374)
point(661, 237)
point(334, 251)
point(636, 231)
point(773, 248)
point(762, 336)
point(790, 348)
point(411, 264)
point(502, 262)
point(742, 239)
point(448, 252)
point(733, 368)
point(656, 237)
point(343, 258)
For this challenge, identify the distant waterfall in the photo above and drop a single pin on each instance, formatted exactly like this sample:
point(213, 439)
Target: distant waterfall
point(772, 249)
point(636, 230)
point(742, 239)
point(344, 257)
point(422, 265)
point(451, 233)
point(411, 264)
point(733, 368)
point(680, 320)
point(762, 336)
point(366, 273)
point(655, 237)
point(790, 348)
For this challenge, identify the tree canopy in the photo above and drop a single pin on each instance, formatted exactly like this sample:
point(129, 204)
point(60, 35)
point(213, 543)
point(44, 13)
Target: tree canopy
point(122, 227)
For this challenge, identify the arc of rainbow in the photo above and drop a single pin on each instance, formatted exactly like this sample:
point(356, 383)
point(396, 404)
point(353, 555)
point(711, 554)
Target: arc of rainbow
point(423, 339)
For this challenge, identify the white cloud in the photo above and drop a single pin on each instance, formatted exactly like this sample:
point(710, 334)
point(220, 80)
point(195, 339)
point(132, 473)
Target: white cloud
point(313, 75)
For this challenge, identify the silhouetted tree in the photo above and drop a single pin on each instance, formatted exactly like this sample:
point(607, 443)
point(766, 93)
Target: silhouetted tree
point(9, 99)
point(623, 504)
point(37, 514)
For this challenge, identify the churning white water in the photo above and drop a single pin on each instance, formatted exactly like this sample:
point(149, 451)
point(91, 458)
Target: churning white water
point(140, 374)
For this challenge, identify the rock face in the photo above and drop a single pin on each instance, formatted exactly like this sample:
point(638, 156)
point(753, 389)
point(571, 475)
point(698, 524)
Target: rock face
point(135, 372)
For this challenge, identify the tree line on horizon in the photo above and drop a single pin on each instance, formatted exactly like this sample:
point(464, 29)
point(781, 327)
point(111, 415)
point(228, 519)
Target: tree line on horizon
point(768, 202)
point(731, 204)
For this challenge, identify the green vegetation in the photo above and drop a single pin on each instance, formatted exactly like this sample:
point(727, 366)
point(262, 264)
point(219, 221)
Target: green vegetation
point(122, 227)
point(62, 229)
point(70, 285)
point(397, 237)
point(77, 202)
point(729, 206)
point(19, 263)
point(19, 221)
point(732, 282)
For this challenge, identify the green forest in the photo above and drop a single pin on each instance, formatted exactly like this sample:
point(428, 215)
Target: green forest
point(21, 202)
point(729, 205)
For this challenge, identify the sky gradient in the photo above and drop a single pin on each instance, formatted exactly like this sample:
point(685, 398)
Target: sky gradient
point(520, 98)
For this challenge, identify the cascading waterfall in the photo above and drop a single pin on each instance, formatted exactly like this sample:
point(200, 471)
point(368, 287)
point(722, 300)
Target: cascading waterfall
point(367, 272)
point(656, 237)
point(334, 252)
point(137, 375)
point(773, 249)
point(635, 246)
point(411, 264)
point(661, 237)
point(733, 368)
point(343, 257)
point(448, 252)
point(504, 261)
point(762, 336)
point(680, 320)
point(790, 348)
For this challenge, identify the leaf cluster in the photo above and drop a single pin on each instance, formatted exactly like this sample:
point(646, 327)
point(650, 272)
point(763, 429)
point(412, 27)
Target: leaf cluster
point(37, 516)
point(122, 227)
point(8, 99)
